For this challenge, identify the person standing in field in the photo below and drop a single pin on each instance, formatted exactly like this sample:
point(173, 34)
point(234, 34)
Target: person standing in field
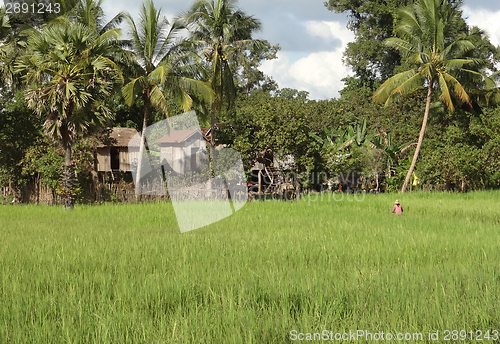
point(398, 209)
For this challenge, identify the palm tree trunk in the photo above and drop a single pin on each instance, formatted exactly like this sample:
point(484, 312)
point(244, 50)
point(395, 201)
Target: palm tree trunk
point(68, 174)
point(212, 125)
point(67, 154)
point(68, 177)
point(420, 138)
point(147, 110)
point(212, 145)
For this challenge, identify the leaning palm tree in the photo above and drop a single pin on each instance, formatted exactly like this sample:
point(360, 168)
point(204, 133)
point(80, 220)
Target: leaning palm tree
point(157, 64)
point(437, 56)
point(69, 78)
point(222, 33)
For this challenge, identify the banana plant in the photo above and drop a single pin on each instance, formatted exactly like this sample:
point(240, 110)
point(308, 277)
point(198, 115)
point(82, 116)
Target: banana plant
point(390, 150)
point(340, 139)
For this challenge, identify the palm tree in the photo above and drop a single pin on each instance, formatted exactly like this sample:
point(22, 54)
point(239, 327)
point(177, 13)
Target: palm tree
point(5, 30)
point(157, 63)
point(222, 33)
point(11, 47)
point(70, 77)
point(426, 40)
point(91, 14)
point(4, 23)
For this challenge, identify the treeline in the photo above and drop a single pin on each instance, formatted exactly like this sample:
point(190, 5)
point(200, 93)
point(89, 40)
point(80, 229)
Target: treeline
point(68, 78)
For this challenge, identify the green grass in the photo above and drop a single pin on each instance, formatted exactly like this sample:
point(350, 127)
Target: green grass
point(125, 274)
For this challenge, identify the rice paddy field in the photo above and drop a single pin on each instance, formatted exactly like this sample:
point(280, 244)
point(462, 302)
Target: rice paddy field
point(274, 272)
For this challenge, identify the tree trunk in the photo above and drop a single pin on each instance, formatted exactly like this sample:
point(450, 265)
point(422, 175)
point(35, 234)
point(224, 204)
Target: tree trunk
point(212, 125)
point(297, 190)
point(67, 154)
point(68, 177)
point(147, 111)
point(420, 138)
point(212, 143)
point(260, 182)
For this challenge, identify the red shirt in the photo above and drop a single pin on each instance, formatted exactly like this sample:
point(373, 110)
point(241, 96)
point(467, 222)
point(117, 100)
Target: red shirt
point(398, 209)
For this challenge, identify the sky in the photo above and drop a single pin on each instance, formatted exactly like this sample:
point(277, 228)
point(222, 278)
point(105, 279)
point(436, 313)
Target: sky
point(311, 37)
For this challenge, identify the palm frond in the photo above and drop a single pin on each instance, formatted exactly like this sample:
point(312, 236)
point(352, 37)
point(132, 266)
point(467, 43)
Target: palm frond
point(445, 95)
point(133, 88)
point(158, 100)
point(400, 83)
point(457, 88)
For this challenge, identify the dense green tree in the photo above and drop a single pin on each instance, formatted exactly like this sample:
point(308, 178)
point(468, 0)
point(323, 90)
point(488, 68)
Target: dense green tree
point(264, 127)
point(20, 128)
point(372, 22)
point(248, 76)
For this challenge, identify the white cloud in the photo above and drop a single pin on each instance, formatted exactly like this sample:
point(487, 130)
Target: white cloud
point(319, 73)
point(486, 20)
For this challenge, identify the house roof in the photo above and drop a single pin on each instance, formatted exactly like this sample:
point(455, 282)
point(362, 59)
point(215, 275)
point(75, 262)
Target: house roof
point(120, 137)
point(177, 136)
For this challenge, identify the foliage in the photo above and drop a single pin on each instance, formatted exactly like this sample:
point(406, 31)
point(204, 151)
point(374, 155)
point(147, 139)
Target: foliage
point(222, 34)
point(70, 74)
point(20, 130)
point(372, 22)
point(266, 127)
point(157, 63)
point(44, 160)
point(70, 71)
point(339, 142)
point(158, 68)
point(261, 120)
point(91, 14)
point(427, 40)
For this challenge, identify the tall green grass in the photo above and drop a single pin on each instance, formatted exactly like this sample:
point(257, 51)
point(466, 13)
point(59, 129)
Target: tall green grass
point(125, 274)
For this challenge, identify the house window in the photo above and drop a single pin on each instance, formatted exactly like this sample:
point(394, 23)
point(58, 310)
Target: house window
point(115, 158)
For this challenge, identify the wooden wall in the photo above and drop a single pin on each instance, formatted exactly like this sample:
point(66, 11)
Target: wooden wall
point(125, 157)
point(103, 159)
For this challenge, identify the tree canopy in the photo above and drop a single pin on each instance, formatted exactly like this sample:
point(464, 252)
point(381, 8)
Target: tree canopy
point(418, 68)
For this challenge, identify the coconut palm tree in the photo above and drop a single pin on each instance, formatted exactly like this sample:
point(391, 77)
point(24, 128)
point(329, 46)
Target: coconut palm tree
point(91, 14)
point(157, 61)
point(69, 77)
point(437, 56)
point(11, 47)
point(222, 33)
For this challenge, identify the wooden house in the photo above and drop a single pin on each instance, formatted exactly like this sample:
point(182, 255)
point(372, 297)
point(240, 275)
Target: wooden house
point(183, 151)
point(118, 155)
